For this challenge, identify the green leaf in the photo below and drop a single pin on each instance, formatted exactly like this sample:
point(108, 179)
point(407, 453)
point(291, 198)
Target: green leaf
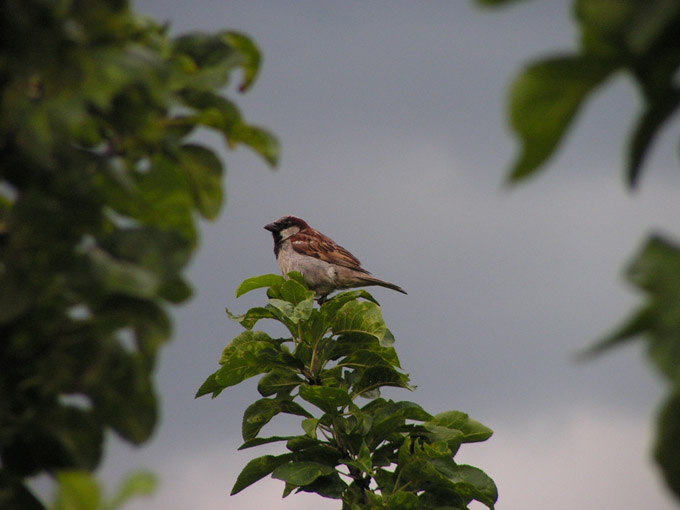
point(401, 499)
point(371, 356)
point(279, 380)
point(217, 112)
point(630, 330)
point(74, 437)
point(102, 192)
point(124, 394)
point(258, 441)
point(296, 293)
point(283, 310)
point(244, 365)
point(250, 57)
point(649, 124)
point(405, 454)
point(297, 276)
point(360, 422)
point(290, 407)
point(262, 141)
point(301, 473)
point(303, 311)
point(176, 290)
point(257, 282)
point(544, 101)
point(329, 486)
point(325, 398)
point(140, 483)
point(667, 448)
point(389, 417)
point(207, 49)
point(257, 469)
point(360, 318)
point(388, 341)
point(376, 377)
point(210, 385)
point(257, 415)
point(656, 271)
point(203, 171)
point(299, 443)
point(351, 347)
point(121, 277)
point(77, 490)
point(162, 197)
point(244, 338)
point(249, 354)
point(626, 27)
point(364, 461)
point(309, 425)
point(330, 308)
point(473, 483)
point(472, 430)
point(318, 451)
point(451, 436)
point(252, 316)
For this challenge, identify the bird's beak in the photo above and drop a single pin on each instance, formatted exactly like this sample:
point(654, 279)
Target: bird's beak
point(271, 227)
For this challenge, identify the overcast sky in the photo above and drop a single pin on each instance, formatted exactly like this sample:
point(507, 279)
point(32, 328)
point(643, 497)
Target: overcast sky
point(391, 120)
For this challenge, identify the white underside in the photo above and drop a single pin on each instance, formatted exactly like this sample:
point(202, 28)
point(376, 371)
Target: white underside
point(321, 276)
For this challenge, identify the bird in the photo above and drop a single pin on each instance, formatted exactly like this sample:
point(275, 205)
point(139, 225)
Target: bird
point(325, 265)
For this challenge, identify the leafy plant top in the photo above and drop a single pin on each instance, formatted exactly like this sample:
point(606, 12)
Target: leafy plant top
point(379, 454)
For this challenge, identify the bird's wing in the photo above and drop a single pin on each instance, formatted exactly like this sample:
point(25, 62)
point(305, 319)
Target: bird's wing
point(313, 243)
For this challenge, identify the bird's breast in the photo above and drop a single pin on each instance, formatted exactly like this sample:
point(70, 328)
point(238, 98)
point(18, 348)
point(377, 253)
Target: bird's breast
point(320, 275)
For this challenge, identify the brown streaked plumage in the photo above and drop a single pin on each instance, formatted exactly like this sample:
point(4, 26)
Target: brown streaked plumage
point(326, 265)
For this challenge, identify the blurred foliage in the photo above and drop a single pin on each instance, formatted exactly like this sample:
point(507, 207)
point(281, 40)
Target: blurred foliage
point(79, 490)
point(101, 189)
point(380, 455)
point(655, 271)
point(640, 39)
point(636, 38)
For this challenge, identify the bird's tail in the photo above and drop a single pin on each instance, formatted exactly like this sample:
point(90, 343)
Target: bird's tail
point(371, 280)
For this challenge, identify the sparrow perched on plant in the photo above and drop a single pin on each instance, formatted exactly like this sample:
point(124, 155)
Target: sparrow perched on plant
point(325, 265)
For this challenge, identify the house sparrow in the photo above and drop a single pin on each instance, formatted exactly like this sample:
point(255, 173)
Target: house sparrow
point(325, 265)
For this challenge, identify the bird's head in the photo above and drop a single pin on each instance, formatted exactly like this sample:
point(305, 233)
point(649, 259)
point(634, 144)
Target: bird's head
point(285, 227)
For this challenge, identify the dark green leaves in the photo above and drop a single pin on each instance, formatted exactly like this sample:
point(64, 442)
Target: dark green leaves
point(102, 190)
point(360, 318)
point(472, 430)
point(656, 272)
point(301, 473)
point(545, 98)
point(249, 354)
point(337, 353)
point(257, 469)
point(431, 469)
point(279, 381)
point(656, 113)
point(258, 282)
point(628, 36)
point(644, 36)
point(262, 411)
point(638, 38)
point(325, 398)
point(204, 173)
